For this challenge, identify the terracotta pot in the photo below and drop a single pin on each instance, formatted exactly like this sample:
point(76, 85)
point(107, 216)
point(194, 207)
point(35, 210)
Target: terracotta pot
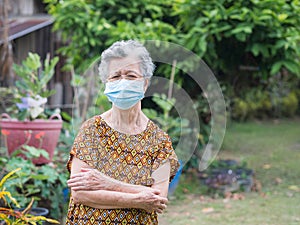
point(37, 133)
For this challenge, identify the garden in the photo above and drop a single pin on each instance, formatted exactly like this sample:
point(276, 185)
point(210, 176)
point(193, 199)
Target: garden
point(251, 48)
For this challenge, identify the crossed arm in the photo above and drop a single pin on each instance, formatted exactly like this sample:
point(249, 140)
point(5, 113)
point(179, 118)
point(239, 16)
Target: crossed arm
point(92, 188)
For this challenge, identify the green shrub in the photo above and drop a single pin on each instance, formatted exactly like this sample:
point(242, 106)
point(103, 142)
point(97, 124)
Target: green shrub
point(297, 92)
point(262, 104)
point(290, 104)
point(240, 109)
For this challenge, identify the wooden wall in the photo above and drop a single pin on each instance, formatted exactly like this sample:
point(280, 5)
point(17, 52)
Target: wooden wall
point(41, 41)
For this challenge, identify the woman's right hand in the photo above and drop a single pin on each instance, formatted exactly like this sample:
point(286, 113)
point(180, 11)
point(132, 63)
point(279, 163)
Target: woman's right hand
point(89, 180)
point(151, 201)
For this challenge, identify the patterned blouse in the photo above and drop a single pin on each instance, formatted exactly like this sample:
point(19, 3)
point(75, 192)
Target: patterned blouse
point(127, 158)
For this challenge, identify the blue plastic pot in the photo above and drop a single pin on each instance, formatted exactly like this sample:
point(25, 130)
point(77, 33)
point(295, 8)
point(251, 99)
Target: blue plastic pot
point(174, 183)
point(37, 211)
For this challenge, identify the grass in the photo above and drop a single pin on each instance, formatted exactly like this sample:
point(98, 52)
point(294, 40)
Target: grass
point(272, 150)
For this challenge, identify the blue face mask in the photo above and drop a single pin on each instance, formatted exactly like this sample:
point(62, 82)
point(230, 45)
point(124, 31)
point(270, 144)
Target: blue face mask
point(124, 93)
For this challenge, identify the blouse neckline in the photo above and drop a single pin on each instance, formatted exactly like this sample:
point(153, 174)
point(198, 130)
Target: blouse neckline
point(121, 133)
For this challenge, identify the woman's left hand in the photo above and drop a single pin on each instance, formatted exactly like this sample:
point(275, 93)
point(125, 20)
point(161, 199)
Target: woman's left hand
point(89, 179)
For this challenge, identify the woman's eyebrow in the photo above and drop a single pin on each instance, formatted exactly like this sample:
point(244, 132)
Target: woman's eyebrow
point(125, 72)
point(133, 71)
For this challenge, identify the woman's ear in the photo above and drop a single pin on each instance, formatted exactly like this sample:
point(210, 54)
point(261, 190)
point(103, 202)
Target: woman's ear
point(146, 83)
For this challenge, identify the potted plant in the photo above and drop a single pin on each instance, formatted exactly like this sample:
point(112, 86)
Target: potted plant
point(26, 123)
point(14, 216)
point(46, 184)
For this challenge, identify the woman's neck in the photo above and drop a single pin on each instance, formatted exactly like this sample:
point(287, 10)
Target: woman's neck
point(131, 121)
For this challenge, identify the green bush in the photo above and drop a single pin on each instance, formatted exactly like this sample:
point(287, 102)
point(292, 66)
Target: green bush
point(297, 92)
point(261, 104)
point(290, 104)
point(240, 109)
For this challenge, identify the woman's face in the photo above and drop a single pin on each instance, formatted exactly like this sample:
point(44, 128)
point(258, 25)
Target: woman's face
point(124, 68)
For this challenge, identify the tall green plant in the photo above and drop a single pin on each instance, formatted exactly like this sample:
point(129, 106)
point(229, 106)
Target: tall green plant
point(32, 92)
point(34, 76)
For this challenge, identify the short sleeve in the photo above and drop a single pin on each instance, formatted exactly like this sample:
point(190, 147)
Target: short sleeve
point(165, 153)
point(82, 143)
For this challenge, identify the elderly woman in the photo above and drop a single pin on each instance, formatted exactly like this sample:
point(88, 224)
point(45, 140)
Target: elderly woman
point(121, 162)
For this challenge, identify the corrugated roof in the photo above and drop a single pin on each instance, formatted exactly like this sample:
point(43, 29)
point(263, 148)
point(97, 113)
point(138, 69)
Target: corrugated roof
point(19, 27)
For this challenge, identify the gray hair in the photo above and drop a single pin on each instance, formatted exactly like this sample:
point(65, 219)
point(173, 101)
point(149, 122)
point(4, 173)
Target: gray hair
point(122, 49)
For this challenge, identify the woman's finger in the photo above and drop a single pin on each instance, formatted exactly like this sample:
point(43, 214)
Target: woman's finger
point(159, 211)
point(162, 200)
point(77, 188)
point(73, 184)
point(77, 175)
point(163, 207)
point(76, 179)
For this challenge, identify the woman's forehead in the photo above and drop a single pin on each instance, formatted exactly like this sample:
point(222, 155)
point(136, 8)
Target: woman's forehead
point(127, 63)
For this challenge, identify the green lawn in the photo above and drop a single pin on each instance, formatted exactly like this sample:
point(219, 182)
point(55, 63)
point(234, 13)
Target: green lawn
point(272, 149)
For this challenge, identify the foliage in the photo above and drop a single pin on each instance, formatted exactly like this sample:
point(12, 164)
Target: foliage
point(6, 95)
point(290, 104)
point(15, 216)
point(88, 101)
point(202, 107)
point(91, 26)
point(88, 95)
point(100, 103)
point(31, 92)
point(262, 36)
point(176, 127)
point(44, 184)
point(246, 43)
point(278, 98)
point(66, 139)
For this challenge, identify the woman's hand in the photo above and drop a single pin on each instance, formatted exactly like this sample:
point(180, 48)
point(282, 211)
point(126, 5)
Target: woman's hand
point(151, 201)
point(89, 179)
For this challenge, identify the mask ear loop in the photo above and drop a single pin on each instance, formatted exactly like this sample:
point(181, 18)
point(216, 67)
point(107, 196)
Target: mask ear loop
point(146, 84)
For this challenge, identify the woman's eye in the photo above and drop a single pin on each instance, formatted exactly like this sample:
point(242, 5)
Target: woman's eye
point(115, 77)
point(132, 76)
